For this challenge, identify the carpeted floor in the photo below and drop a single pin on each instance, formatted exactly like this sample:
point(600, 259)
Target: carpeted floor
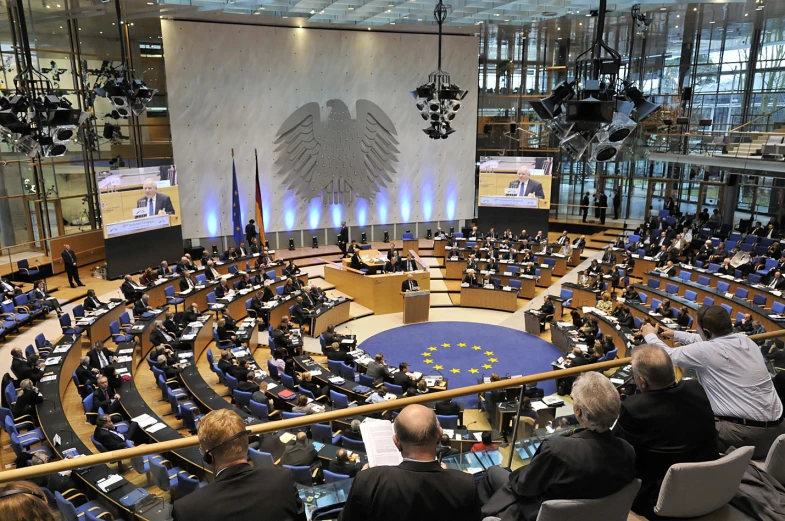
point(463, 352)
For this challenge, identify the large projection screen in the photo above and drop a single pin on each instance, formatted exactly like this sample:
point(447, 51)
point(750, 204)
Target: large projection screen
point(237, 86)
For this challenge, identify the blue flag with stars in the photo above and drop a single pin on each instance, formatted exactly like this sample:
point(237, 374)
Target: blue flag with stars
point(237, 221)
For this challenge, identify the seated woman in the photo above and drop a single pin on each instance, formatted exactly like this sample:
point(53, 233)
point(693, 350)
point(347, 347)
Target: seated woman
point(605, 303)
point(665, 308)
point(684, 317)
point(148, 277)
point(223, 332)
point(577, 319)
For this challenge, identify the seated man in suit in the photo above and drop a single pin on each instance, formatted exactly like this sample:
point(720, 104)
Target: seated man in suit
point(609, 257)
point(223, 289)
point(587, 463)
point(142, 306)
point(283, 339)
point(159, 335)
point(9, 290)
point(299, 453)
point(131, 292)
point(191, 314)
point(107, 434)
point(164, 270)
point(186, 282)
point(86, 374)
point(668, 269)
point(24, 368)
point(409, 264)
point(470, 278)
point(393, 264)
point(106, 398)
point(170, 371)
point(377, 369)
point(527, 187)
point(630, 295)
point(418, 488)
point(357, 262)
point(447, 407)
point(402, 377)
point(547, 309)
point(288, 287)
point(240, 492)
point(210, 272)
point(101, 356)
point(227, 362)
point(244, 282)
point(291, 269)
point(301, 315)
point(666, 423)
point(777, 281)
point(91, 303)
point(231, 254)
point(409, 284)
point(344, 464)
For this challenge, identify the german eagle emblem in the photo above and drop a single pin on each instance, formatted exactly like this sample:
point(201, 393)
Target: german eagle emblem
point(338, 159)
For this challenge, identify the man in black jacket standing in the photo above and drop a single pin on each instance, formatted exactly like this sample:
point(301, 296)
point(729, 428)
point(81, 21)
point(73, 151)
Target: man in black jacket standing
point(603, 204)
point(71, 268)
point(417, 488)
point(343, 238)
point(666, 423)
point(240, 492)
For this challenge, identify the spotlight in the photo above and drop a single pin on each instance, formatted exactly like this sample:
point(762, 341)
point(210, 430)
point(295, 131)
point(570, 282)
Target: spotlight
point(550, 107)
point(315, 242)
point(267, 244)
point(452, 230)
point(386, 236)
point(620, 128)
point(215, 249)
point(643, 107)
point(363, 238)
point(291, 244)
point(27, 145)
point(572, 142)
point(428, 234)
point(589, 111)
point(605, 151)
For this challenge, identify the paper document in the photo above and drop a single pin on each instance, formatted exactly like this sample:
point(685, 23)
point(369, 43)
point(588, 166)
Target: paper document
point(144, 420)
point(378, 440)
point(155, 427)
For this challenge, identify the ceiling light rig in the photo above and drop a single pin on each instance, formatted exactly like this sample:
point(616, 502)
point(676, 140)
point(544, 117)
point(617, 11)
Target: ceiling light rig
point(34, 120)
point(594, 111)
point(440, 99)
point(118, 83)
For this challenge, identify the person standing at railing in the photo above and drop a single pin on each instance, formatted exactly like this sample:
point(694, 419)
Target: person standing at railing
point(731, 369)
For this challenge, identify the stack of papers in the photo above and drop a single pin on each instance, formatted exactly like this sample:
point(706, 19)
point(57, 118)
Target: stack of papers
point(53, 360)
point(155, 427)
point(378, 440)
point(145, 420)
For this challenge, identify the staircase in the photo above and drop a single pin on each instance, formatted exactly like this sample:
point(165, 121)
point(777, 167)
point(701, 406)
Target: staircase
point(748, 149)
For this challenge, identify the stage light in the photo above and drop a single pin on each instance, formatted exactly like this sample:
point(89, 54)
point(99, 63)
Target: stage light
point(452, 230)
point(620, 128)
point(550, 107)
point(126, 93)
point(26, 145)
point(315, 242)
point(428, 234)
point(643, 107)
point(267, 244)
point(386, 236)
point(215, 249)
point(291, 244)
point(363, 238)
point(604, 151)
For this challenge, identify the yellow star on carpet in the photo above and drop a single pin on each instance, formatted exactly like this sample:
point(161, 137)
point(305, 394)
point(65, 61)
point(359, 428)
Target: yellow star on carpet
point(445, 345)
point(427, 353)
point(487, 366)
point(438, 367)
point(433, 349)
point(461, 345)
point(493, 360)
point(474, 371)
point(455, 371)
point(428, 361)
point(489, 353)
point(476, 348)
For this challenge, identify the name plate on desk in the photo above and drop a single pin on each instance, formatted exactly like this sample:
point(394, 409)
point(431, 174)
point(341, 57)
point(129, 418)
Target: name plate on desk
point(409, 294)
point(137, 225)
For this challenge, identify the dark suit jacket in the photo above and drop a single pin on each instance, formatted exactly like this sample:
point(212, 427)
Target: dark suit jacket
point(609, 257)
point(244, 493)
point(583, 465)
point(85, 375)
point(93, 356)
point(221, 292)
point(22, 369)
point(534, 187)
point(68, 260)
point(139, 308)
point(344, 235)
point(162, 202)
point(109, 439)
point(25, 404)
point(412, 490)
point(91, 303)
point(402, 379)
point(347, 469)
point(405, 285)
point(665, 427)
point(444, 408)
point(297, 455)
point(157, 337)
point(184, 284)
point(100, 399)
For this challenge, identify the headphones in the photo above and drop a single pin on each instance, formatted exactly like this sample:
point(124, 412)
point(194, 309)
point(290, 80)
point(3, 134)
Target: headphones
point(14, 492)
point(208, 457)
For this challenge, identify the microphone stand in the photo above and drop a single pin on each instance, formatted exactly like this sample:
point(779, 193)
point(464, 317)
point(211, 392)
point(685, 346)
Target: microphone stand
point(515, 426)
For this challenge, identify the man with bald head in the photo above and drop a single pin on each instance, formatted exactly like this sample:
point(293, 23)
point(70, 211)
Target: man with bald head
point(527, 187)
point(155, 203)
point(418, 488)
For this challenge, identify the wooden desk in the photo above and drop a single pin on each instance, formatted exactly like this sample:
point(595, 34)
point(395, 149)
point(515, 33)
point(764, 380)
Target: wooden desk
point(527, 284)
point(99, 330)
point(438, 247)
point(560, 266)
point(642, 266)
point(545, 277)
point(489, 299)
point(582, 296)
point(335, 315)
point(380, 293)
point(575, 258)
point(454, 269)
point(410, 244)
point(416, 307)
point(156, 293)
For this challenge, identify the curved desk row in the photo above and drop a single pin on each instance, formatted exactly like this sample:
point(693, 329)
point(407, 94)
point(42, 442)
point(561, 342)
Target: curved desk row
point(456, 269)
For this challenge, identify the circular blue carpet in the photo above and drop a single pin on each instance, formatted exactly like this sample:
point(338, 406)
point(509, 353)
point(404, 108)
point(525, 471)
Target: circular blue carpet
point(465, 352)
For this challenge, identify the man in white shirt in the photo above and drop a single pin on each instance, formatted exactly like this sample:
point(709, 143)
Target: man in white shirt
point(732, 371)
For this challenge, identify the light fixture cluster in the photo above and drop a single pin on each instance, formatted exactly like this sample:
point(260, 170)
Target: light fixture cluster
point(126, 93)
point(38, 125)
point(439, 99)
point(595, 111)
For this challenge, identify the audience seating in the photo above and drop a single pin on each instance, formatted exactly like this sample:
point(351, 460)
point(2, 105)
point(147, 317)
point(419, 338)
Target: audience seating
point(330, 477)
point(30, 274)
point(302, 474)
point(70, 512)
point(775, 460)
point(260, 459)
point(448, 422)
point(261, 411)
point(353, 445)
point(324, 434)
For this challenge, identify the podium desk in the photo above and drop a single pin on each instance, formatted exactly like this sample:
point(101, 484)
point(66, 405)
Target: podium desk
point(545, 276)
point(454, 268)
point(575, 258)
point(99, 329)
point(531, 322)
point(527, 284)
point(642, 265)
point(380, 293)
point(337, 314)
point(416, 306)
point(497, 299)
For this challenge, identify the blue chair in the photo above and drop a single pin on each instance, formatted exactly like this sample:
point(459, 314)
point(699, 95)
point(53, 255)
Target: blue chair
point(727, 308)
point(260, 458)
point(31, 274)
point(333, 366)
point(567, 295)
point(261, 411)
point(644, 297)
point(307, 393)
point(324, 434)
point(708, 301)
point(515, 284)
point(166, 478)
point(713, 268)
point(31, 307)
point(753, 278)
point(610, 355)
point(222, 344)
point(699, 264)
point(70, 512)
point(330, 477)
point(676, 313)
point(353, 445)
point(448, 422)
point(742, 292)
point(750, 239)
point(170, 298)
point(270, 274)
point(117, 336)
point(671, 289)
point(279, 290)
point(89, 409)
point(395, 389)
point(512, 268)
point(201, 279)
point(233, 269)
point(272, 370)
point(285, 415)
point(191, 417)
point(655, 303)
point(219, 373)
point(366, 380)
point(232, 384)
point(242, 398)
point(347, 373)
point(685, 275)
point(302, 474)
point(778, 307)
point(340, 401)
point(19, 314)
point(407, 236)
point(653, 283)
point(637, 322)
point(723, 286)
point(689, 321)
point(188, 484)
point(471, 244)
point(210, 357)
point(211, 301)
point(739, 316)
point(125, 320)
point(746, 247)
point(690, 295)
point(704, 280)
point(458, 235)
point(288, 382)
point(78, 311)
point(759, 300)
point(67, 327)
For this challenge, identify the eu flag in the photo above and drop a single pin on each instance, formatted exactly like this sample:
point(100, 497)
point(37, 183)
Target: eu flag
point(237, 221)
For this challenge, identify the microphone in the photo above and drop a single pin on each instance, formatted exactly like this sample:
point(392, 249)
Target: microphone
point(437, 371)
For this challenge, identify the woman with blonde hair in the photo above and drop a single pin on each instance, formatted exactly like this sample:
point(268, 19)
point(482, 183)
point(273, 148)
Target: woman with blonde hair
point(605, 304)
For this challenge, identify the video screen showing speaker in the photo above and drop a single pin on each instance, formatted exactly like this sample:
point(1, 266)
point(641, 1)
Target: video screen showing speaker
point(516, 182)
point(135, 200)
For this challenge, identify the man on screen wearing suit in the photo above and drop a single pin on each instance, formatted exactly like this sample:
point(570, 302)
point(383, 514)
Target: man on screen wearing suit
point(527, 187)
point(156, 204)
